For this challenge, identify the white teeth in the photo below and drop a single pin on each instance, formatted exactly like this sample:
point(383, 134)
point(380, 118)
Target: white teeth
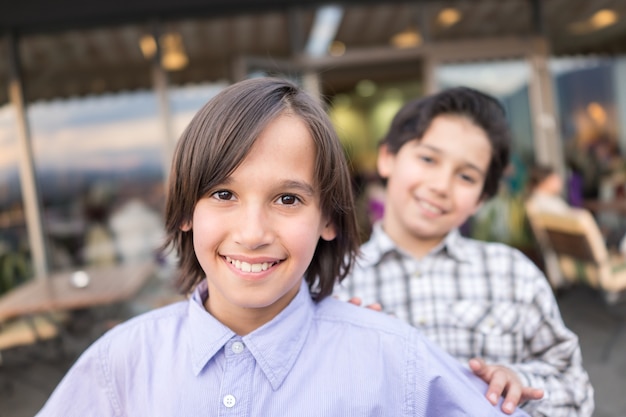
point(430, 207)
point(247, 267)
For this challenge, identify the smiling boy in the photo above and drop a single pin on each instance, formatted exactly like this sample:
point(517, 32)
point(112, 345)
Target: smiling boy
point(484, 303)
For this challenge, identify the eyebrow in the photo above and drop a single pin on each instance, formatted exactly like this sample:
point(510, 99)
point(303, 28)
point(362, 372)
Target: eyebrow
point(303, 187)
point(467, 163)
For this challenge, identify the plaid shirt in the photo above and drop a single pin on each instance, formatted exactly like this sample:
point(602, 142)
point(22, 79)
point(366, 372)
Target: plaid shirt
point(479, 299)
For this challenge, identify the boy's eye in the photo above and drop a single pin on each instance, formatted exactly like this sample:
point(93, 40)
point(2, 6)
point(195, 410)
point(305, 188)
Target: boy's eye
point(468, 178)
point(426, 158)
point(288, 199)
point(223, 195)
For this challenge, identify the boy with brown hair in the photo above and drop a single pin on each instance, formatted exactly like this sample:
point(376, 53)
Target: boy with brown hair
point(484, 303)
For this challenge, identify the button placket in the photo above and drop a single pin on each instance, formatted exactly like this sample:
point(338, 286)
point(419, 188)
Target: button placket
point(237, 378)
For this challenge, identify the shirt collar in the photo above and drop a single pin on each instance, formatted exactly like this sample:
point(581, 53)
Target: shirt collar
point(457, 246)
point(207, 334)
point(380, 244)
point(275, 345)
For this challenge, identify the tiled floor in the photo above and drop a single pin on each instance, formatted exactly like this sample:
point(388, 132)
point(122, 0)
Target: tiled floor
point(585, 313)
point(29, 375)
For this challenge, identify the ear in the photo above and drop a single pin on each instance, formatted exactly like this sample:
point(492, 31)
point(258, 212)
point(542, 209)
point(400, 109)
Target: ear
point(384, 161)
point(186, 226)
point(329, 232)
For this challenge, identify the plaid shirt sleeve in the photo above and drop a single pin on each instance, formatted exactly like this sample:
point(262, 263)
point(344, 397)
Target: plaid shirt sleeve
point(554, 362)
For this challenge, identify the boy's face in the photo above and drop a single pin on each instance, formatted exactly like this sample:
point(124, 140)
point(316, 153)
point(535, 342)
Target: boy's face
point(255, 234)
point(435, 184)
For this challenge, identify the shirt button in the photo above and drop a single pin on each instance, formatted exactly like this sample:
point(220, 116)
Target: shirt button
point(229, 401)
point(237, 347)
point(416, 274)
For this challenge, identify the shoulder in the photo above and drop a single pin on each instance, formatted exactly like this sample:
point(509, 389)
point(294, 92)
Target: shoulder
point(156, 336)
point(504, 266)
point(352, 319)
point(169, 314)
point(495, 254)
point(145, 329)
point(373, 260)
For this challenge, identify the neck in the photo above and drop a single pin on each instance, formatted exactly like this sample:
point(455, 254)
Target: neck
point(417, 246)
point(243, 319)
point(241, 324)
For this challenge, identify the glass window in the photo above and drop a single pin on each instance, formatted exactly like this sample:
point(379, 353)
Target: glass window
point(587, 97)
point(15, 265)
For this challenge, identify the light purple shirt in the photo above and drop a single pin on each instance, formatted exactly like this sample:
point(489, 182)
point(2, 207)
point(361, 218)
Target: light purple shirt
point(325, 359)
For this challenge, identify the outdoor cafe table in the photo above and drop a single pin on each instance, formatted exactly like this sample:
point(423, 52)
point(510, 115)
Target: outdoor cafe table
point(56, 292)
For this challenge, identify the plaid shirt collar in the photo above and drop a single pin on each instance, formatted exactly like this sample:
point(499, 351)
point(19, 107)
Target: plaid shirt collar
point(380, 245)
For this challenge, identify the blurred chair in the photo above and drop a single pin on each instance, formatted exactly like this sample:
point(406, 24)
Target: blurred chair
point(30, 330)
point(575, 238)
point(550, 259)
point(573, 243)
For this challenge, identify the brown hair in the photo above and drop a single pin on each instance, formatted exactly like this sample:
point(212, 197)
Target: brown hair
point(216, 142)
point(414, 118)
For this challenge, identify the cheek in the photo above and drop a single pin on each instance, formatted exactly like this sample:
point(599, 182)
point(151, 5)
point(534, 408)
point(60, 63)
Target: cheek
point(303, 236)
point(406, 175)
point(469, 200)
point(206, 228)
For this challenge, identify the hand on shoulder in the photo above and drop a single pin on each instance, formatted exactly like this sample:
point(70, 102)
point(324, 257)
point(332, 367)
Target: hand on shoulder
point(357, 302)
point(504, 382)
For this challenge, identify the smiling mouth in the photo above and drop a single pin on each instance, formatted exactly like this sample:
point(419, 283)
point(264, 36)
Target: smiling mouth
point(430, 207)
point(248, 267)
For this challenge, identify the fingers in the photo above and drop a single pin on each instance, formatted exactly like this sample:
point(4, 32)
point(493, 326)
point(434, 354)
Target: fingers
point(482, 370)
point(516, 394)
point(375, 307)
point(479, 367)
point(356, 301)
point(503, 382)
point(512, 399)
point(529, 393)
point(497, 386)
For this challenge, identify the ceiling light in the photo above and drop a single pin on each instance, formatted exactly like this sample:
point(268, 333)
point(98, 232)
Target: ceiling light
point(408, 38)
point(337, 48)
point(448, 17)
point(599, 20)
point(603, 18)
point(173, 57)
point(148, 46)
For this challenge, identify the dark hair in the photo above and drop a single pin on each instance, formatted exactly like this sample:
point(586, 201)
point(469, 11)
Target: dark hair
point(415, 117)
point(218, 139)
point(538, 173)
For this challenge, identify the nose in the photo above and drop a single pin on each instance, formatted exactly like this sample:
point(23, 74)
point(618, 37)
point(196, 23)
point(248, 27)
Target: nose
point(254, 227)
point(440, 181)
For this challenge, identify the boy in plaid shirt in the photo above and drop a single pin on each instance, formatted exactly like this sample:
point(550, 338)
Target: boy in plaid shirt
point(485, 303)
